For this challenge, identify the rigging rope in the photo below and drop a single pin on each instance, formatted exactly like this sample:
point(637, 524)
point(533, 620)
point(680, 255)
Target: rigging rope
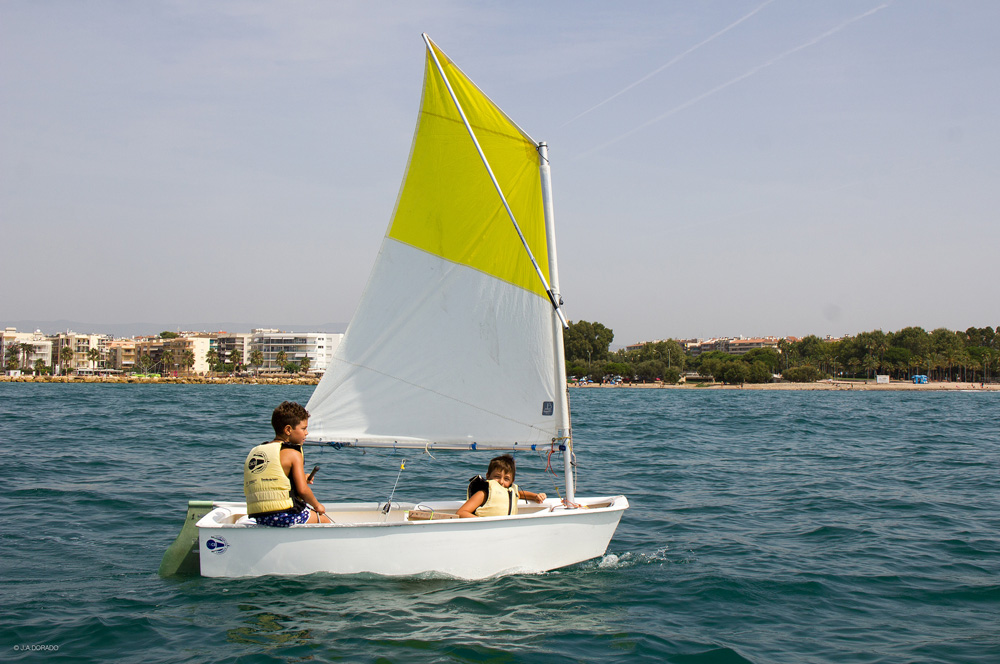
point(557, 445)
point(554, 447)
point(388, 503)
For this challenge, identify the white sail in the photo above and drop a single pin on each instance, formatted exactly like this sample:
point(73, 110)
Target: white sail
point(454, 341)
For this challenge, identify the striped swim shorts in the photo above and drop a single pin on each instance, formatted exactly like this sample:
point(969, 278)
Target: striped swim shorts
point(283, 519)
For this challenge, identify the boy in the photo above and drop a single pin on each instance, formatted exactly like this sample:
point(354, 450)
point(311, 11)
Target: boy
point(497, 495)
point(274, 482)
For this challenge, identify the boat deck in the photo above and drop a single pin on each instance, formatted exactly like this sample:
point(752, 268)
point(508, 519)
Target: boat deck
point(233, 514)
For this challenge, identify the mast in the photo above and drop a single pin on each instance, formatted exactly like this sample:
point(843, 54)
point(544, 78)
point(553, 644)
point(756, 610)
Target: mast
point(562, 390)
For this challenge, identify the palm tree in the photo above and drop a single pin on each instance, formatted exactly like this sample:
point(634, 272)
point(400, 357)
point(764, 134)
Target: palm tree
point(281, 358)
point(39, 366)
point(167, 359)
point(94, 355)
point(975, 365)
point(825, 355)
point(13, 351)
point(26, 351)
point(783, 350)
point(144, 363)
point(187, 358)
point(256, 359)
point(881, 344)
point(870, 364)
point(305, 364)
point(951, 357)
point(237, 357)
point(989, 357)
point(936, 363)
point(925, 361)
point(212, 357)
point(66, 355)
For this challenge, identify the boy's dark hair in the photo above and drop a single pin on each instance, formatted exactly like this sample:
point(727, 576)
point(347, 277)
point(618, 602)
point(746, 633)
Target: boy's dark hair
point(504, 462)
point(290, 413)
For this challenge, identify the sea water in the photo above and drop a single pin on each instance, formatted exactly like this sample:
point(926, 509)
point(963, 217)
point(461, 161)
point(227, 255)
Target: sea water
point(765, 527)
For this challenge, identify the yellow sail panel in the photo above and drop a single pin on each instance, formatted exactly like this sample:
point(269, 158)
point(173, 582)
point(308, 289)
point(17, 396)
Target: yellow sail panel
point(449, 207)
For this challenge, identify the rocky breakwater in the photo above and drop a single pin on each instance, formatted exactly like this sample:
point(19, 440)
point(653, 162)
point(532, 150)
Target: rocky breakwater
point(280, 379)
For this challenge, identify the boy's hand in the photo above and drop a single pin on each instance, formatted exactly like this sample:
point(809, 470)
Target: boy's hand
point(540, 497)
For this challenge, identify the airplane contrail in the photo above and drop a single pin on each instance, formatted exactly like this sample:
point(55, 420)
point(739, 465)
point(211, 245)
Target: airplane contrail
point(672, 62)
point(748, 74)
point(841, 187)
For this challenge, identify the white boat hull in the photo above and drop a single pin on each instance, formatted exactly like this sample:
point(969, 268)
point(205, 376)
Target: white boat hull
point(364, 540)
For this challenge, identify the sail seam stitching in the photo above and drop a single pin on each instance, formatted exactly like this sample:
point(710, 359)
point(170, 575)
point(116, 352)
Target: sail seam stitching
point(519, 138)
point(440, 394)
point(471, 267)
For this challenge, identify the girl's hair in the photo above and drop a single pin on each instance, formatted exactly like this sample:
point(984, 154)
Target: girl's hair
point(502, 463)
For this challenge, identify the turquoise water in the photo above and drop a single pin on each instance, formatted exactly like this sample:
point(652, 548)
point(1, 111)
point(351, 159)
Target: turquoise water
point(765, 527)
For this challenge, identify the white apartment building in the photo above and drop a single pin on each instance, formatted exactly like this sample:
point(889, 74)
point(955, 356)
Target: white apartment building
point(199, 345)
point(731, 345)
point(81, 344)
point(41, 348)
point(318, 347)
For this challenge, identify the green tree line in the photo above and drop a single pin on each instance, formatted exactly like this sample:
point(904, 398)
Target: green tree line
point(942, 354)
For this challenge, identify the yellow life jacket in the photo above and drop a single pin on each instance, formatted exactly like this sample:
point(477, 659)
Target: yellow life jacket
point(265, 485)
point(500, 501)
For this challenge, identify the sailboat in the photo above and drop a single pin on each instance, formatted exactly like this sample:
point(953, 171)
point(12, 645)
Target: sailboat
point(457, 344)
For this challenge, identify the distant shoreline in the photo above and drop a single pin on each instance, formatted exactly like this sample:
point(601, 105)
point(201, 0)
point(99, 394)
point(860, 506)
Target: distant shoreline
point(167, 380)
point(823, 385)
point(827, 385)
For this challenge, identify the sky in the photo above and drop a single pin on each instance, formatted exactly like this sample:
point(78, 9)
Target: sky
point(720, 168)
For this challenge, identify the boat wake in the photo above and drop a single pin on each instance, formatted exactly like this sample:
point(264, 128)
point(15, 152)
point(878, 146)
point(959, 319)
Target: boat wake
point(629, 559)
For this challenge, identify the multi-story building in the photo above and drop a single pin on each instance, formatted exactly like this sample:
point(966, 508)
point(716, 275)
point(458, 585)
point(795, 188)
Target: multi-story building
point(82, 359)
point(227, 344)
point(641, 345)
point(95, 353)
point(684, 343)
point(169, 356)
point(741, 345)
point(198, 344)
point(149, 354)
point(120, 354)
point(279, 348)
point(41, 348)
point(709, 345)
point(731, 345)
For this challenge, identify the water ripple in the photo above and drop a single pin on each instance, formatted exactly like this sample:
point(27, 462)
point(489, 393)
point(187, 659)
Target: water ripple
point(765, 527)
